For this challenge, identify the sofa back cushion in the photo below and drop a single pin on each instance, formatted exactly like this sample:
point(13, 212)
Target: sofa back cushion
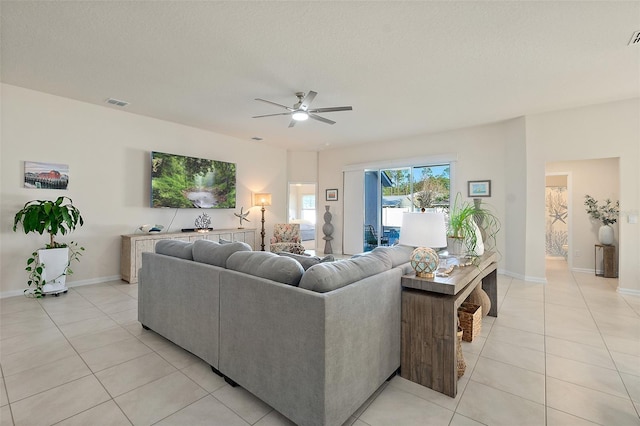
point(325, 277)
point(175, 248)
point(216, 254)
point(307, 261)
point(399, 254)
point(266, 265)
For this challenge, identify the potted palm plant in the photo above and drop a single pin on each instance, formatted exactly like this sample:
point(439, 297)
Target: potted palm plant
point(49, 266)
point(471, 228)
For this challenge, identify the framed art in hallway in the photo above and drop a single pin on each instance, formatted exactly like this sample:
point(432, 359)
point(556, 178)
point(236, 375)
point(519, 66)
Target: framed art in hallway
point(332, 195)
point(478, 188)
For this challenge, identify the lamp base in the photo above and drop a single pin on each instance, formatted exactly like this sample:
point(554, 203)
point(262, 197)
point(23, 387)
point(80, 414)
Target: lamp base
point(425, 262)
point(427, 275)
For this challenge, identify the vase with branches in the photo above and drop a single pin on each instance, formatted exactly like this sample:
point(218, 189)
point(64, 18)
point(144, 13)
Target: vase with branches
point(607, 214)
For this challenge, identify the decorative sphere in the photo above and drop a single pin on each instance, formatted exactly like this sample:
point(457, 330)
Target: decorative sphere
point(425, 261)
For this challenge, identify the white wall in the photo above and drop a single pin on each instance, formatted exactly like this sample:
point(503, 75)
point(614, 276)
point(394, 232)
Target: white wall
point(513, 154)
point(514, 226)
point(302, 166)
point(480, 155)
point(107, 151)
point(600, 131)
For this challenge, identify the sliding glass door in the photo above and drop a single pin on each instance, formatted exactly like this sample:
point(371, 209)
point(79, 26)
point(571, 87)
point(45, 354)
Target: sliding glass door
point(388, 193)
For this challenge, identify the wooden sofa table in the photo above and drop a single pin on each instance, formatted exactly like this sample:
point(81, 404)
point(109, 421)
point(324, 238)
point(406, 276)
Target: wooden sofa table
point(429, 321)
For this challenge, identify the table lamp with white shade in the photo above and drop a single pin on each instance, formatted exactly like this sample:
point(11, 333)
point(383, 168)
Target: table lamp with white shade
point(425, 231)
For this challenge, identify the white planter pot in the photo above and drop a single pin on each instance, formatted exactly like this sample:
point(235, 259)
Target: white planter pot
point(456, 246)
point(55, 263)
point(605, 235)
point(479, 250)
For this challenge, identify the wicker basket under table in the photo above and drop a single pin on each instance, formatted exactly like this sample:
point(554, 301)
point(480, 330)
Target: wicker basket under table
point(470, 316)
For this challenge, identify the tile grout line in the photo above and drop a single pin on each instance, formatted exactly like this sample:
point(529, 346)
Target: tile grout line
point(606, 345)
point(4, 384)
point(455, 411)
point(87, 365)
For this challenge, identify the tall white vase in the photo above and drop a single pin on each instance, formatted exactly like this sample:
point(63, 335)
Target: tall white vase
point(605, 235)
point(55, 264)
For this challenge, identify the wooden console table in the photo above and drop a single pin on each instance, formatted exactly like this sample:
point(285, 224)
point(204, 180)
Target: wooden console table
point(429, 322)
point(134, 244)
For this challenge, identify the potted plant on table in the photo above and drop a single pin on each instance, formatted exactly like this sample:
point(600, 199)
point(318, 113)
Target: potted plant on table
point(49, 266)
point(471, 228)
point(606, 214)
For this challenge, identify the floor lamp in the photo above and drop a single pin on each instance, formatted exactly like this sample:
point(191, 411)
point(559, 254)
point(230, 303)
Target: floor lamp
point(262, 199)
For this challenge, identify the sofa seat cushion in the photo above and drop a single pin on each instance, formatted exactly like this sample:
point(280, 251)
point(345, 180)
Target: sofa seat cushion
point(307, 261)
point(175, 248)
point(267, 265)
point(216, 254)
point(325, 277)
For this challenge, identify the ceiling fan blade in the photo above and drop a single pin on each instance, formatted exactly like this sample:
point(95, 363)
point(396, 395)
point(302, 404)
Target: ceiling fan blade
point(273, 103)
point(324, 120)
point(271, 115)
point(293, 123)
point(331, 109)
point(304, 105)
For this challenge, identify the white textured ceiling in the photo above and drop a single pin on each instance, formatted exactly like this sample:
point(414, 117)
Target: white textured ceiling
point(407, 68)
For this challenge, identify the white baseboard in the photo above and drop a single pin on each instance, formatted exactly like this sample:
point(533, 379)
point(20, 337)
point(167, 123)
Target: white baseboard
point(541, 280)
point(628, 291)
point(93, 281)
point(584, 270)
point(13, 293)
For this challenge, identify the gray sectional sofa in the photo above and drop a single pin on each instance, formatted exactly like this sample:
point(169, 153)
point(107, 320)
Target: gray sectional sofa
point(314, 344)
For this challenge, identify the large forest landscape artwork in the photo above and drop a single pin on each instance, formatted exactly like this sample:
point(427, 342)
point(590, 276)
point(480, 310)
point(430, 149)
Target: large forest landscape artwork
point(187, 182)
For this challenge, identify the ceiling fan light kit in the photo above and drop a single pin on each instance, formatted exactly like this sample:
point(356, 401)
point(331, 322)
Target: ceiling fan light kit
point(300, 116)
point(300, 110)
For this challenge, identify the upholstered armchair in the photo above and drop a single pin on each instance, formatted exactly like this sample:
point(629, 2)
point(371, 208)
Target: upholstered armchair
point(286, 237)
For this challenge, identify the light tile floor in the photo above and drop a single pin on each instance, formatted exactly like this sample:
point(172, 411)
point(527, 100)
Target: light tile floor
point(567, 353)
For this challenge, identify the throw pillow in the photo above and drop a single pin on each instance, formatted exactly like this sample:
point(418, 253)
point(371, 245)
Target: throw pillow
point(398, 254)
point(267, 265)
point(307, 261)
point(329, 276)
point(175, 248)
point(216, 254)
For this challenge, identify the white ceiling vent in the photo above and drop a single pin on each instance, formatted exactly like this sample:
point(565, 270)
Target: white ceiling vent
point(635, 39)
point(117, 102)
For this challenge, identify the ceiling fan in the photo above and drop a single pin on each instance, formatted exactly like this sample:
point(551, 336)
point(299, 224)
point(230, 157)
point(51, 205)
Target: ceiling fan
point(300, 110)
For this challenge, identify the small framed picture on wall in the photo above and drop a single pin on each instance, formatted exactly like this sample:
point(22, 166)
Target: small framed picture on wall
point(479, 188)
point(332, 195)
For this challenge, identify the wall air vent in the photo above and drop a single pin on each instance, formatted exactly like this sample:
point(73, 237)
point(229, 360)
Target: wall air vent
point(635, 39)
point(117, 102)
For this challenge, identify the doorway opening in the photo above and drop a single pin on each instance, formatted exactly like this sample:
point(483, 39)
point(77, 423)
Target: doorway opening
point(557, 217)
point(302, 210)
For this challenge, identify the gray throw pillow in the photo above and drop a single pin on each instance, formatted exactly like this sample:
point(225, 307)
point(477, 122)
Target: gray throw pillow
point(307, 261)
point(216, 254)
point(267, 265)
point(325, 277)
point(175, 248)
point(223, 241)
